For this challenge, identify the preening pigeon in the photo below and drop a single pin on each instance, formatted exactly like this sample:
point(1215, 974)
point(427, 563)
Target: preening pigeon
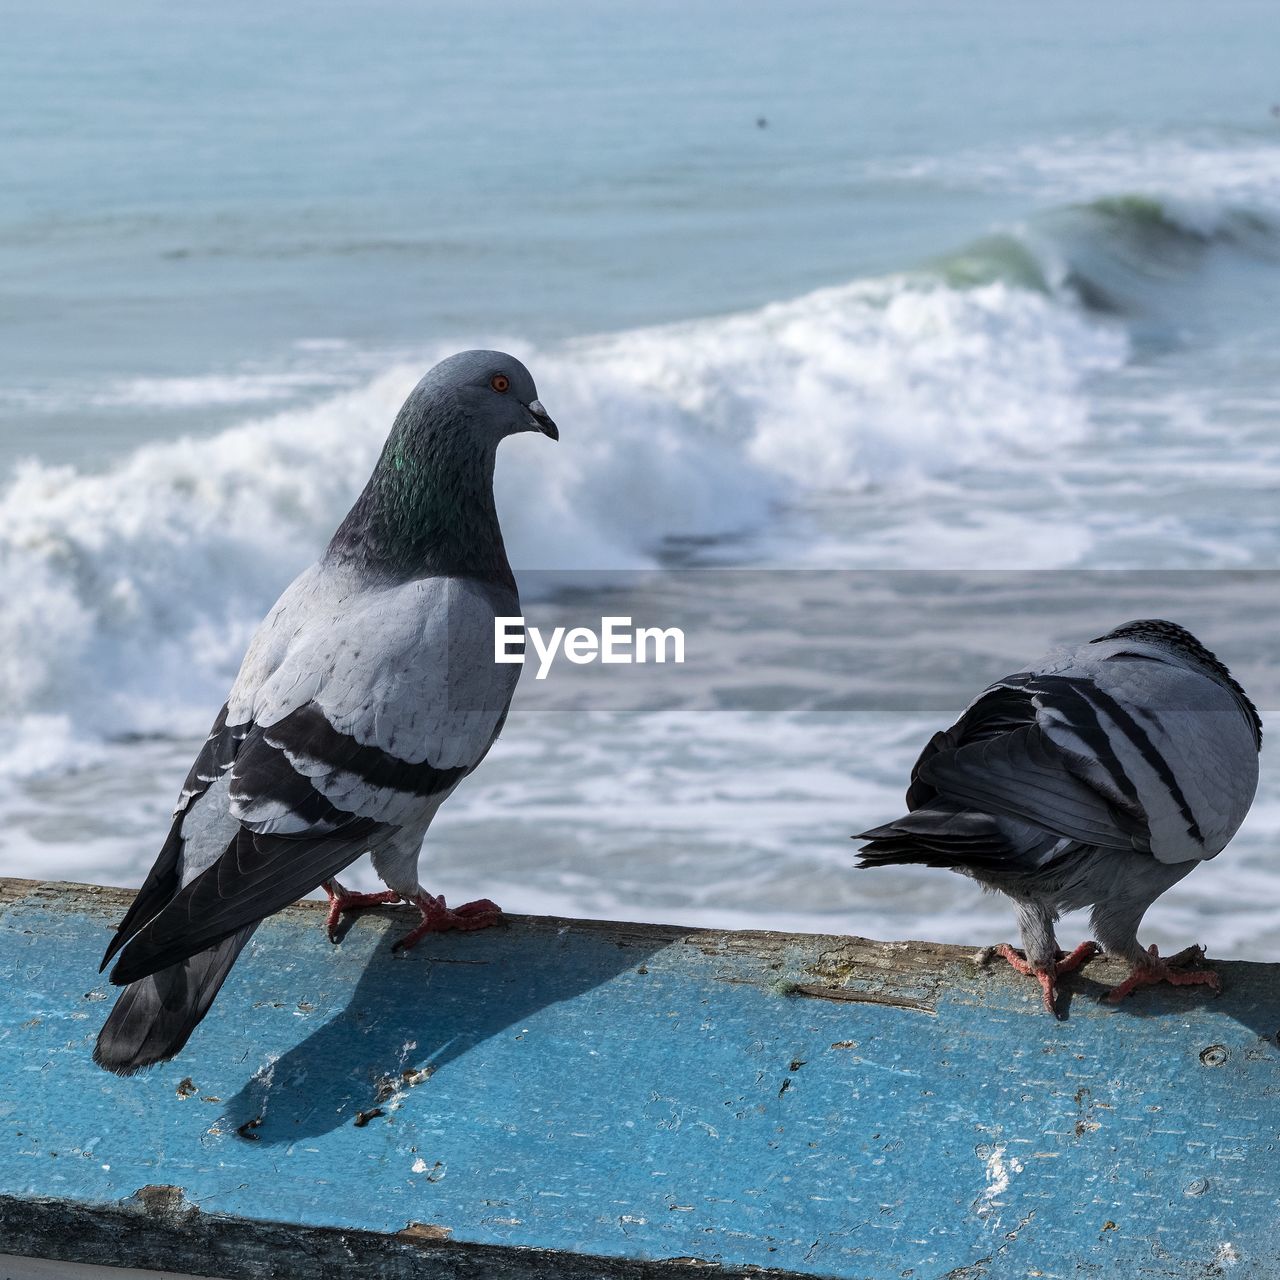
point(1098, 778)
point(367, 694)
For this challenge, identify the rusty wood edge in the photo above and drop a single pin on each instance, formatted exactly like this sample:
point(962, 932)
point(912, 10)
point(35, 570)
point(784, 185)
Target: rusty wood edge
point(111, 901)
point(157, 1229)
point(905, 974)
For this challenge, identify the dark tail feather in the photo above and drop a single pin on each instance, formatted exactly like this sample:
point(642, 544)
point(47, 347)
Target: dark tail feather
point(158, 889)
point(939, 838)
point(154, 1016)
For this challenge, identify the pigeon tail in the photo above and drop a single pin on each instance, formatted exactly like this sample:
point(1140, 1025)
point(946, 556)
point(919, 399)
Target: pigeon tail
point(154, 1016)
point(941, 836)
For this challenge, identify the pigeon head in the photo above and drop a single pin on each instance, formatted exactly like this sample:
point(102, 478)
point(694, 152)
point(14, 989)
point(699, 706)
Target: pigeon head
point(491, 390)
point(428, 507)
point(1169, 636)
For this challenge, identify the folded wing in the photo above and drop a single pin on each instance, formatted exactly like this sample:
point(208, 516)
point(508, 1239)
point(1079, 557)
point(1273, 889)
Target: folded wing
point(1122, 752)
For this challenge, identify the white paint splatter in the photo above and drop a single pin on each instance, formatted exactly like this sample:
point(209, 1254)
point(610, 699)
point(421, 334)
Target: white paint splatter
point(998, 1170)
point(1226, 1254)
point(260, 1083)
point(419, 1165)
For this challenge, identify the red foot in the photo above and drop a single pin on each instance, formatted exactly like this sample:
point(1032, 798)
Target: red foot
point(343, 900)
point(437, 917)
point(1048, 981)
point(1155, 970)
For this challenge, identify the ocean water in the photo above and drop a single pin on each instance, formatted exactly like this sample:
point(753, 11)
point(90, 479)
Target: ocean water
point(889, 345)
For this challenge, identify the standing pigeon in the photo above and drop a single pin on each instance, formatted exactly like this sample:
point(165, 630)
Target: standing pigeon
point(1099, 778)
point(367, 694)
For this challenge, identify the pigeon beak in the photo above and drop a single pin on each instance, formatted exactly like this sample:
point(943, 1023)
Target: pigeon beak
point(542, 420)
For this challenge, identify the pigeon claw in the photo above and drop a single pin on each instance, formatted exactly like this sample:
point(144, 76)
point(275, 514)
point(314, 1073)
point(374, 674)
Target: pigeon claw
point(343, 901)
point(1048, 981)
point(1147, 973)
point(437, 917)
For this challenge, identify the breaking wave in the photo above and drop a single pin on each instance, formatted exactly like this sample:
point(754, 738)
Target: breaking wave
point(130, 593)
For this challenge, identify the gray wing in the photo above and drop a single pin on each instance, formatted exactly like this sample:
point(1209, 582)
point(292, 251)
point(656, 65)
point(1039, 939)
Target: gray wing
point(1183, 741)
point(371, 713)
point(1120, 751)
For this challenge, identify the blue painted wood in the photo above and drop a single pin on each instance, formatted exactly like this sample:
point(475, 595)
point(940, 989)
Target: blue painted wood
point(626, 1094)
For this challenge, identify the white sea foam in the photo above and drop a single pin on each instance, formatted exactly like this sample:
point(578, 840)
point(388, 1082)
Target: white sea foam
point(871, 382)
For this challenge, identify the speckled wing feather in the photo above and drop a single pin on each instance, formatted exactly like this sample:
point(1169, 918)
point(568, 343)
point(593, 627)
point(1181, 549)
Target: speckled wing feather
point(1114, 746)
point(164, 879)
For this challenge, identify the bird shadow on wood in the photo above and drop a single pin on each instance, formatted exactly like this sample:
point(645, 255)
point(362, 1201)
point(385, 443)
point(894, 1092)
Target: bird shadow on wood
point(1249, 996)
point(410, 1016)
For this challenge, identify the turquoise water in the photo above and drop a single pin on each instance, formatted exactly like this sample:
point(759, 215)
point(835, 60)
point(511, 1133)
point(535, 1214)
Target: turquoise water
point(917, 286)
point(192, 195)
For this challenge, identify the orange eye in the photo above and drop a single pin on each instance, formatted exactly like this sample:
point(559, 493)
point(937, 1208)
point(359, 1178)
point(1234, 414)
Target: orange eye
point(500, 382)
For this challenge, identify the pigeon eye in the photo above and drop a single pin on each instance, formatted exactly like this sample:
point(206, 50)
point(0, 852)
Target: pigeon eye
point(500, 382)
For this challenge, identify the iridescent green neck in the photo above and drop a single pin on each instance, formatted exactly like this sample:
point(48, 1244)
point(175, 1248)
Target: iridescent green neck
point(428, 508)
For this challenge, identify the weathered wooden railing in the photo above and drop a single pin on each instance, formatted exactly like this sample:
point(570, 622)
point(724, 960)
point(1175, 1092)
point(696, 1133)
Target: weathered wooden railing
point(568, 1100)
